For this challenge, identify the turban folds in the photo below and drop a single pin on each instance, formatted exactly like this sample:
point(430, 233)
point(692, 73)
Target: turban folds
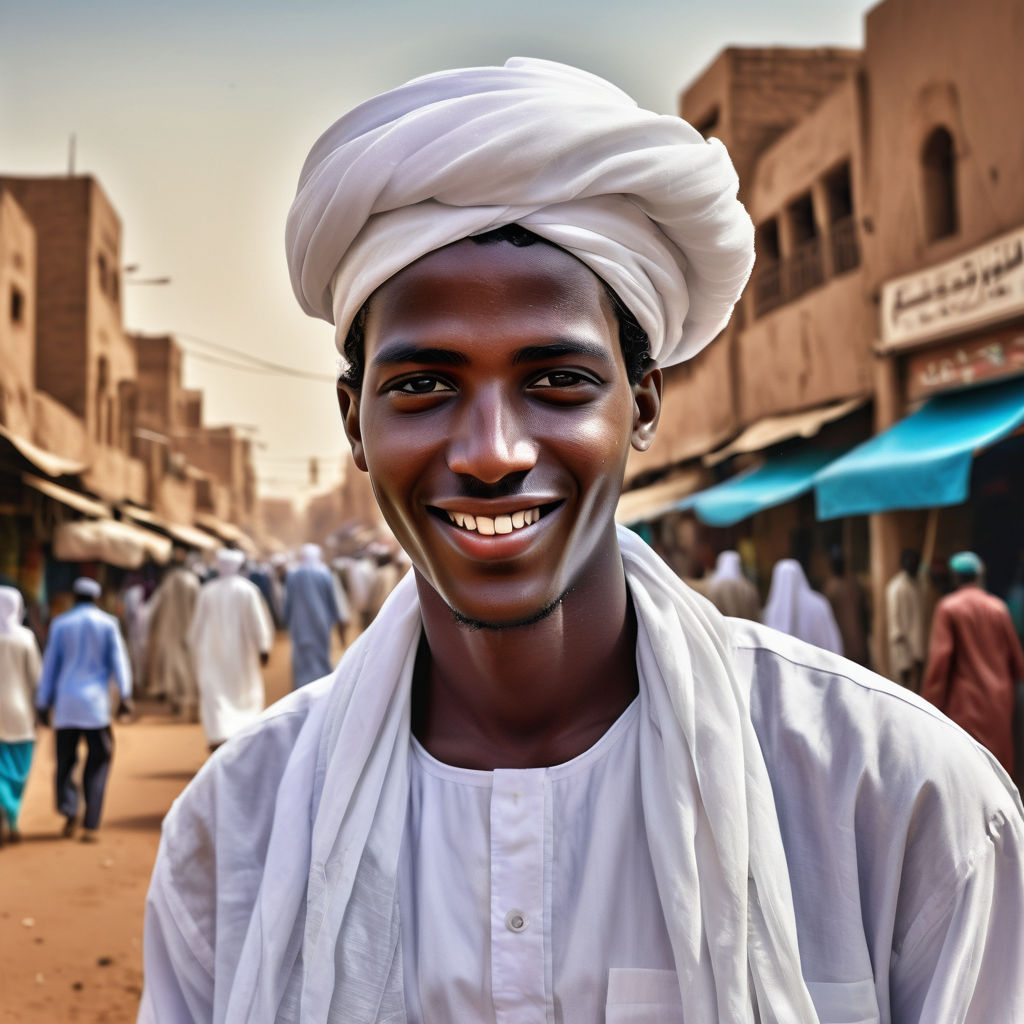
point(640, 198)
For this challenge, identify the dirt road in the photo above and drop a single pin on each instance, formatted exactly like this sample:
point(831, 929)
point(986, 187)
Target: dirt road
point(71, 913)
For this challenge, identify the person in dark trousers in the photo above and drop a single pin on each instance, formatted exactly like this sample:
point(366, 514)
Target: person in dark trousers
point(84, 652)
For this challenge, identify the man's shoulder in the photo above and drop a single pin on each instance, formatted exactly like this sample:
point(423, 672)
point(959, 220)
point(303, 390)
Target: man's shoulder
point(242, 778)
point(834, 731)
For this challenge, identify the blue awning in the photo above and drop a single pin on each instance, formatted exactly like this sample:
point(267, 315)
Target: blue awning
point(780, 479)
point(924, 461)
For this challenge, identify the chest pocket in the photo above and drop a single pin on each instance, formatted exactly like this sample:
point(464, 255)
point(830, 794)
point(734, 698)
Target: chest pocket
point(845, 1002)
point(641, 996)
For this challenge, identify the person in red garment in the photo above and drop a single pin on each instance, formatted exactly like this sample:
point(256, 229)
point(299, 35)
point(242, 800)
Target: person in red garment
point(975, 660)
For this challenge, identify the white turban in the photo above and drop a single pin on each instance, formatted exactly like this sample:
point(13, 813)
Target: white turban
point(640, 198)
point(11, 609)
point(310, 554)
point(86, 587)
point(229, 561)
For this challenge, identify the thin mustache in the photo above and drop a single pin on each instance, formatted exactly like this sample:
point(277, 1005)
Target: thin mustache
point(509, 486)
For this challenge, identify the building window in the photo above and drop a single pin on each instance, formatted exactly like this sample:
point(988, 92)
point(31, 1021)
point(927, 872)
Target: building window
point(802, 269)
point(938, 166)
point(17, 305)
point(767, 277)
point(842, 228)
point(101, 266)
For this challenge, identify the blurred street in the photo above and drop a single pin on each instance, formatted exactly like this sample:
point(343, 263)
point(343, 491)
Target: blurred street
point(71, 914)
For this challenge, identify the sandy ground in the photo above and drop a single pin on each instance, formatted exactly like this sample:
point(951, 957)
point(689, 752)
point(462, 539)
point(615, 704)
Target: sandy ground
point(71, 913)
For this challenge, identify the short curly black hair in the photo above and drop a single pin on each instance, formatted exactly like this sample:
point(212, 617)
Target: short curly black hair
point(636, 346)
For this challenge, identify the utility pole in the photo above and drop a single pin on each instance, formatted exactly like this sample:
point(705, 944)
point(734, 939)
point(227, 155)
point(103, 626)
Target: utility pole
point(71, 156)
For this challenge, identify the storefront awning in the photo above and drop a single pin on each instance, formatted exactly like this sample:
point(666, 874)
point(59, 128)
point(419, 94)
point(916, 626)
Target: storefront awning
point(79, 502)
point(48, 462)
point(188, 536)
point(110, 541)
point(779, 480)
point(227, 531)
point(924, 461)
point(773, 429)
point(646, 503)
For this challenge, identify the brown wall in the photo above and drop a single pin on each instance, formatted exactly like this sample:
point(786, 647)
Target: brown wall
point(932, 62)
point(17, 316)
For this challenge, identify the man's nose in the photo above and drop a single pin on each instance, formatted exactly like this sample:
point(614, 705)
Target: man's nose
point(490, 439)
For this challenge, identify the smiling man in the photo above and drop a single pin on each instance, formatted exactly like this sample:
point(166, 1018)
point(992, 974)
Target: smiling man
point(550, 783)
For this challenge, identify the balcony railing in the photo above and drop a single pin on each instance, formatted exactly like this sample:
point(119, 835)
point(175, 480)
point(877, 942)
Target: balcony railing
point(803, 270)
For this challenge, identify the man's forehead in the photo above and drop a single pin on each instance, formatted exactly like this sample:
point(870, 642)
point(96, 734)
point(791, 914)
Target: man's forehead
point(456, 292)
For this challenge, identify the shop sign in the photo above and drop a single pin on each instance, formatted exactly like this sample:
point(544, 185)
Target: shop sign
point(977, 288)
point(961, 365)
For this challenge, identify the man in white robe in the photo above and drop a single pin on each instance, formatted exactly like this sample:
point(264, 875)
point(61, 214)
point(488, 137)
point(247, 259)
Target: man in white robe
point(550, 783)
point(171, 608)
point(794, 608)
point(230, 639)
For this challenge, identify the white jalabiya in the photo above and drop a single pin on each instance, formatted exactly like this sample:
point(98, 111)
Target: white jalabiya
point(275, 894)
point(230, 628)
point(794, 608)
point(641, 198)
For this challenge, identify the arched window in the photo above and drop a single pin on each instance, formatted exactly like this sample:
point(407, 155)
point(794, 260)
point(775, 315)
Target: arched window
point(938, 166)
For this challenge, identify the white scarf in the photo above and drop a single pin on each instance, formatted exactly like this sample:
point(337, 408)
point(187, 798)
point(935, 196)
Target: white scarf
point(330, 890)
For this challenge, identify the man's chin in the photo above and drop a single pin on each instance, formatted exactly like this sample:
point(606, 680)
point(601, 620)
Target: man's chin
point(468, 622)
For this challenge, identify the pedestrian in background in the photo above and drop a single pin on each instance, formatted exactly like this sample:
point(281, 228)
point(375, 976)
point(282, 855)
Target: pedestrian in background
point(19, 675)
point(84, 652)
point(794, 608)
point(906, 622)
point(730, 591)
point(230, 639)
point(974, 660)
point(312, 606)
point(170, 614)
point(850, 607)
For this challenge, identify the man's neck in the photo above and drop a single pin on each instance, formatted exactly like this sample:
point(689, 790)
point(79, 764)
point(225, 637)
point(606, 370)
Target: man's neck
point(527, 696)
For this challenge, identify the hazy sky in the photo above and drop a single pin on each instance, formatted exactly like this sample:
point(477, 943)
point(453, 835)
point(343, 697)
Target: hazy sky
point(195, 117)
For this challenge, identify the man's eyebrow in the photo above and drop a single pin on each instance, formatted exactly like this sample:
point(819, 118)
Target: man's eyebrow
point(409, 352)
point(559, 350)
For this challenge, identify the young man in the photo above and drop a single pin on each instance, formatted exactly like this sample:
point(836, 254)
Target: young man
point(550, 783)
point(84, 652)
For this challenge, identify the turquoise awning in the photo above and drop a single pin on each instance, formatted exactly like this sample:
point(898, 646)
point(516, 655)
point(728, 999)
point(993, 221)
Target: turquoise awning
point(780, 479)
point(923, 461)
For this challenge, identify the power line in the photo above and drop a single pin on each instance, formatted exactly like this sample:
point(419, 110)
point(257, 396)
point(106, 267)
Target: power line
point(251, 364)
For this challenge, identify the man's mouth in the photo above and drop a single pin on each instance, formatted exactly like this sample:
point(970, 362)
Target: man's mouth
point(488, 526)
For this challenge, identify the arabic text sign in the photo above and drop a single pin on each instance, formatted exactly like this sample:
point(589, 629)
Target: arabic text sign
point(980, 287)
point(958, 365)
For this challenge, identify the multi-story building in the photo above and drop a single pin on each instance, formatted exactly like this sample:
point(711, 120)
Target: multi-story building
point(866, 394)
point(84, 360)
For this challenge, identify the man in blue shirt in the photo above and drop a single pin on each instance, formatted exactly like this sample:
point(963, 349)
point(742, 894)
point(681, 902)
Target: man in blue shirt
point(83, 651)
point(311, 607)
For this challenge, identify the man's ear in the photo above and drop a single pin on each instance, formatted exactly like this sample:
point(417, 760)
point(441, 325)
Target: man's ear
point(646, 409)
point(348, 403)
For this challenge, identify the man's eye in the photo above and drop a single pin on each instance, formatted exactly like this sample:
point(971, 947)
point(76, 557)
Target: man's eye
point(561, 379)
point(420, 386)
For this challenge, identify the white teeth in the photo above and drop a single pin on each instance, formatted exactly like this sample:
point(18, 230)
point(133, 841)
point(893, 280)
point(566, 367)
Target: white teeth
point(487, 526)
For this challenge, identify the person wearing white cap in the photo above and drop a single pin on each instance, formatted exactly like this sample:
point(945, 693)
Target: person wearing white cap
point(230, 637)
point(20, 666)
point(730, 591)
point(84, 652)
point(312, 605)
point(549, 782)
point(975, 660)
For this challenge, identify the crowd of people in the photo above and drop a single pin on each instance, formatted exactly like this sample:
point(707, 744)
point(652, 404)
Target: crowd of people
point(195, 640)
